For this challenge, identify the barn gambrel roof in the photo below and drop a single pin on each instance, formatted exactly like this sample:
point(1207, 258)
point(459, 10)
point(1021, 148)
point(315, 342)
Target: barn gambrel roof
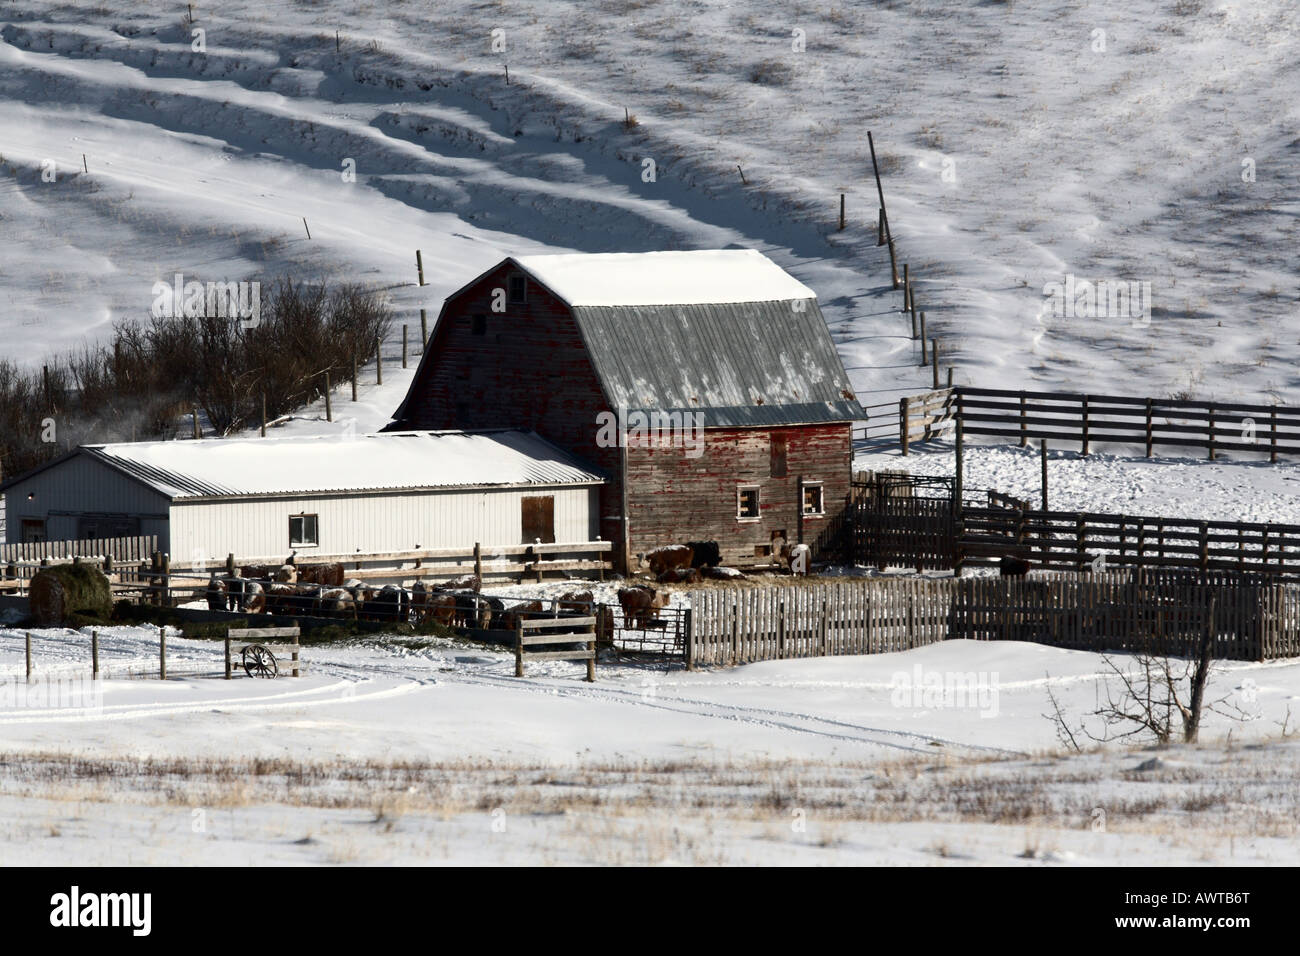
point(727, 333)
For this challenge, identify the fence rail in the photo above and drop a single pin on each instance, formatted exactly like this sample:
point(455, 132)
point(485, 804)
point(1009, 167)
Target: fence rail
point(1249, 617)
point(912, 419)
point(1149, 422)
point(132, 548)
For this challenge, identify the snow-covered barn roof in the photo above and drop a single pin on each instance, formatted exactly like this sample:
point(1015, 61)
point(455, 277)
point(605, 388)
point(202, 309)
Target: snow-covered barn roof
point(726, 333)
point(224, 468)
point(665, 278)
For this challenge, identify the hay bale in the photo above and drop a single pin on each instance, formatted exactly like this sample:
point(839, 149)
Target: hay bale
point(62, 590)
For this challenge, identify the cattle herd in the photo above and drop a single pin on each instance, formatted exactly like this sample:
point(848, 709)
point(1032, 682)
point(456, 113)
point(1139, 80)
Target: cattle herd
point(322, 591)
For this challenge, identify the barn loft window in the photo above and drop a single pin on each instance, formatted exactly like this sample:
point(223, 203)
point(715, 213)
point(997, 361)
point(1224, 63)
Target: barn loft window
point(812, 499)
point(539, 519)
point(518, 290)
point(478, 325)
point(747, 503)
point(303, 531)
point(778, 456)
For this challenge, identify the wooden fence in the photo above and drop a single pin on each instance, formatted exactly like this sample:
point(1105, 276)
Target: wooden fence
point(912, 419)
point(121, 550)
point(1149, 422)
point(1068, 540)
point(1253, 618)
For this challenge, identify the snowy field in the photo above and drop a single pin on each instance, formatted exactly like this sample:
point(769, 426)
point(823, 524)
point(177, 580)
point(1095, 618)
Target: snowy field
point(413, 751)
point(1120, 481)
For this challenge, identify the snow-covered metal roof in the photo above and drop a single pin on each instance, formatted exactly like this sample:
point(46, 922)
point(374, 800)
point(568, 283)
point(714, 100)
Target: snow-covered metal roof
point(665, 278)
point(226, 468)
point(743, 364)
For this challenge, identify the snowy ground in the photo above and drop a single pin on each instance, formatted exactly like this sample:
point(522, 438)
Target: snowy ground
point(1115, 482)
point(410, 751)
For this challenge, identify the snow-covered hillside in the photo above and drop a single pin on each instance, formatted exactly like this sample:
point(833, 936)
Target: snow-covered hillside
point(1066, 158)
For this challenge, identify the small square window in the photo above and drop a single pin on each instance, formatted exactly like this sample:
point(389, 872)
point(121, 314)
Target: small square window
point(747, 503)
point(478, 325)
point(812, 500)
point(302, 531)
point(518, 290)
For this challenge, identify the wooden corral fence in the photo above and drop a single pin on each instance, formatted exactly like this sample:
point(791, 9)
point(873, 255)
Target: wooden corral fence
point(1149, 422)
point(742, 625)
point(556, 632)
point(1254, 618)
point(18, 562)
point(910, 420)
point(1068, 540)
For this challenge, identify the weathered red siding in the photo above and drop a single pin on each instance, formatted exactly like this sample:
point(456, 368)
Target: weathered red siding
point(529, 370)
point(673, 498)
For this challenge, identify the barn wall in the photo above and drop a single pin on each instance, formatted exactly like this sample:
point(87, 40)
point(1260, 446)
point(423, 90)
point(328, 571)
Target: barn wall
point(208, 531)
point(673, 499)
point(82, 486)
point(530, 370)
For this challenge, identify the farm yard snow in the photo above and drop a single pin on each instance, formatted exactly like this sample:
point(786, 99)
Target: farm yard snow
point(394, 750)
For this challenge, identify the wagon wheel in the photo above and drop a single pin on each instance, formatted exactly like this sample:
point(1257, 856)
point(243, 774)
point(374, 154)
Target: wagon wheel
point(259, 661)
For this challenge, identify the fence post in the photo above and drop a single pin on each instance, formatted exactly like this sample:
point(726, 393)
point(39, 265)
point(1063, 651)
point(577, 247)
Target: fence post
point(1042, 454)
point(1024, 437)
point(519, 647)
point(934, 358)
point(478, 561)
point(924, 361)
point(1080, 542)
point(1148, 428)
point(907, 289)
point(166, 594)
point(688, 643)
point(1085, 426)
point(1272, 432)
point(354, 375)
point(162, 652)
point(419, 266)
point(904, 426)
point(1211, 448)
point(957, 479)
point(379, 362)
point(893, 262)
point(94, 655)
point(29, 654)
point(264, 414)
point(227, 654)
point(1205, 547)
point(403, 346)
point(424, 331)
point(329, 408)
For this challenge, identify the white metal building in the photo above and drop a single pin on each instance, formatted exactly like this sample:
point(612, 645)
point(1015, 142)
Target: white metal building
point(396, 491)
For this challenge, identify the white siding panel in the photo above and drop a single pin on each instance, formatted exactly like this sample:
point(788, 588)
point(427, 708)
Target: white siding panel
point(208, 531)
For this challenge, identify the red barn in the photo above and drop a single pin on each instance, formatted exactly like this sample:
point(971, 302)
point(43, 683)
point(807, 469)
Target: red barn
point(704, 384)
